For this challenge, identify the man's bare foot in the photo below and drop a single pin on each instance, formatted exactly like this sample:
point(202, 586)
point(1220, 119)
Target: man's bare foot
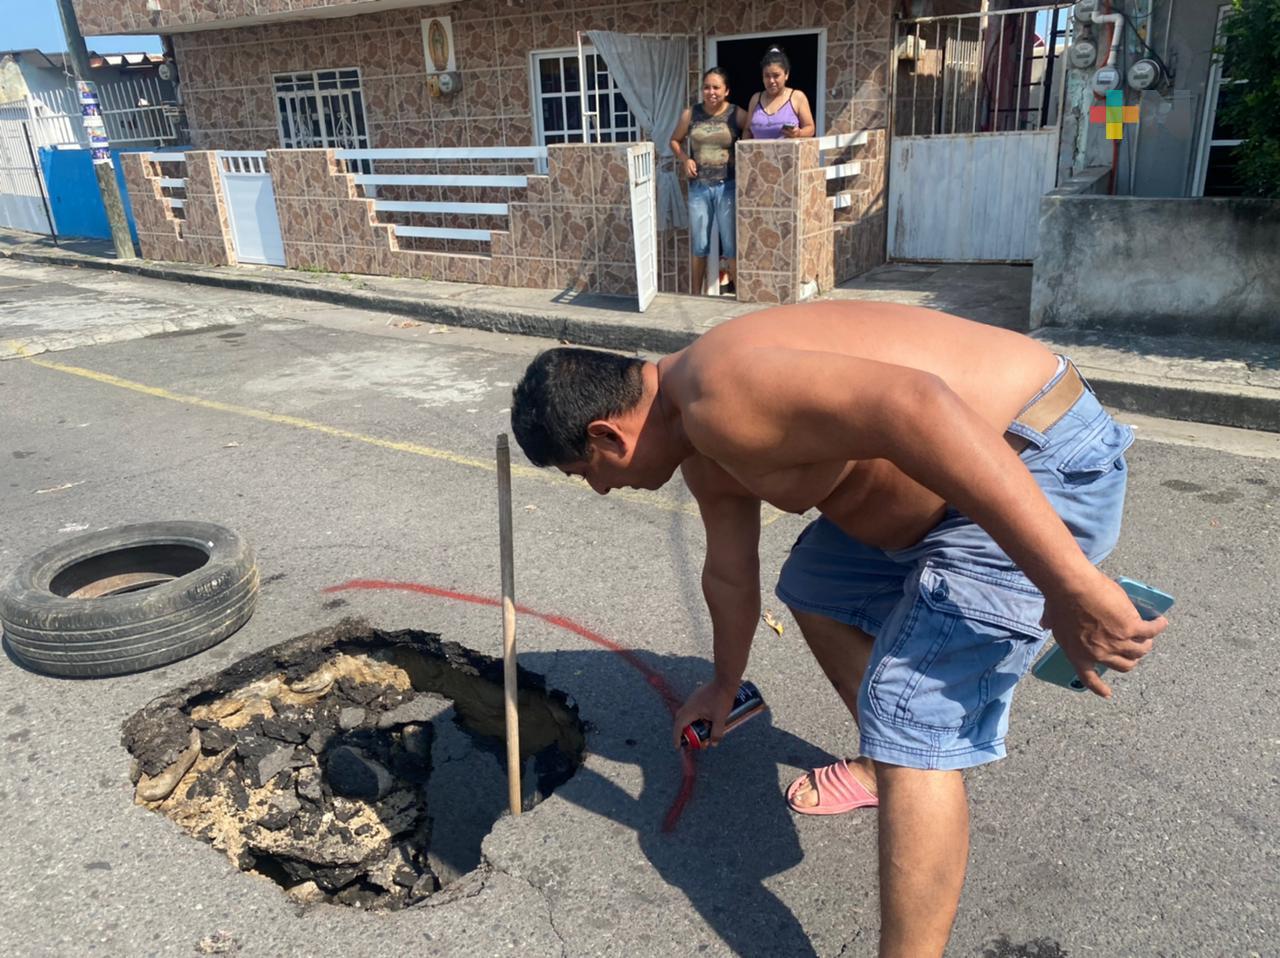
point(863, 769)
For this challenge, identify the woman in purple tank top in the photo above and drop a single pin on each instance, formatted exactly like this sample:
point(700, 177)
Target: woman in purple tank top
point(779, 112)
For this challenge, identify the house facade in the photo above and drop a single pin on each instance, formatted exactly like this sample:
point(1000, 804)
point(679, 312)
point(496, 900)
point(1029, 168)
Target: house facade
point(302, 74)
point(941, 123)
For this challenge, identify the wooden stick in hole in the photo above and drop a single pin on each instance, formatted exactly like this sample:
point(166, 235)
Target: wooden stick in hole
point(508, 624)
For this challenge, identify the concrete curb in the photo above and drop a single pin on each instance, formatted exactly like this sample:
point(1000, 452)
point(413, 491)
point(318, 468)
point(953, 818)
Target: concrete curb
point(625, 337)
point(1218, 404)
point(1241, 407)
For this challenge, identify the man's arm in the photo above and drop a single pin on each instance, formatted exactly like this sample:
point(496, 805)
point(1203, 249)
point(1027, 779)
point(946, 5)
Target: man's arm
point(731, 581)
point(730, 585)
point(791, 407)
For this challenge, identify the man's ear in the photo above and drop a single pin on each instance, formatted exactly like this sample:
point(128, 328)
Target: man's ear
point(606, 436)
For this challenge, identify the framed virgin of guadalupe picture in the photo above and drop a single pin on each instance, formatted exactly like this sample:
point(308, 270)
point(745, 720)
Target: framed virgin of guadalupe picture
point(437, 43)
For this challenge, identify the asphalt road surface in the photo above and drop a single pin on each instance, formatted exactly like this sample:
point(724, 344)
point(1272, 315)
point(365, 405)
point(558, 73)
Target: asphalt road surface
point(347, 445)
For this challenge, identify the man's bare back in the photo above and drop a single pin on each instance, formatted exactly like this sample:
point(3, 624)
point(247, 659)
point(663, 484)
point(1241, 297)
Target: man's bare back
point(992, 370)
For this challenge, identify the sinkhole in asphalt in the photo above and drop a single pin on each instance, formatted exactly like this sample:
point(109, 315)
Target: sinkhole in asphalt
point(351, 765)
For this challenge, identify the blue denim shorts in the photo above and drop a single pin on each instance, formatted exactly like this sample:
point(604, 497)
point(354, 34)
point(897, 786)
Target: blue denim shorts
point(713, 203)
point(956, 624)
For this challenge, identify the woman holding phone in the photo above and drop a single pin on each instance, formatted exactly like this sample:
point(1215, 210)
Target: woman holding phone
point(779, 112)
point(712, 128)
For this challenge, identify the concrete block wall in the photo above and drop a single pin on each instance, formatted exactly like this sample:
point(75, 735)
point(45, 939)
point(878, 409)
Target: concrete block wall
point(203, 233)
point(1203, 267)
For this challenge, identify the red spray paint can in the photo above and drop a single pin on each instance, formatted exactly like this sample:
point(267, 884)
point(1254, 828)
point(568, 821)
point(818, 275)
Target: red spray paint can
point(746, 704)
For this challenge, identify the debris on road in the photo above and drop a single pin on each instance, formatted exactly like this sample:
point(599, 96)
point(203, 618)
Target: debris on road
point(65, 485)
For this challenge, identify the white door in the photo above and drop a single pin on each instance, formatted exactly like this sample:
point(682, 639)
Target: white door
point(644, 222)
point(251, 207)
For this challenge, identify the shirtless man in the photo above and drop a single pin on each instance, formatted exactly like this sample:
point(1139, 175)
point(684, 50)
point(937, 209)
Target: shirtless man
point(967, 480)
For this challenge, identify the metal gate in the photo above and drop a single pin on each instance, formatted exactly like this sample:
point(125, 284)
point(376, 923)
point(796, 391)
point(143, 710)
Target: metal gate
point(251, 207)
point(977, 101)
point(22, 204)
point(644, 222)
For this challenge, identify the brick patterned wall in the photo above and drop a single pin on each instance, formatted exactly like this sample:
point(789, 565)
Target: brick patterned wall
point(203, 233)
point(572, 228)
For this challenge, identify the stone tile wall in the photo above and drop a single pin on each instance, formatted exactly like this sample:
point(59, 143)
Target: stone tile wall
point(859, 231)
point(227, 82)
point(107, 17)
point(202, 234)
point(792, 243)
point(227, 75)
point(571, 229)
point(784, 246)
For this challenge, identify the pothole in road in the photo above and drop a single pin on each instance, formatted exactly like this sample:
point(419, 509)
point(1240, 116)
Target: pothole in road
point(351, 765)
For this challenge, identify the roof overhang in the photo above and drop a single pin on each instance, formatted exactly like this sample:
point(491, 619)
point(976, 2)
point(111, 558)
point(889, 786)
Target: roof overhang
point(352, 8)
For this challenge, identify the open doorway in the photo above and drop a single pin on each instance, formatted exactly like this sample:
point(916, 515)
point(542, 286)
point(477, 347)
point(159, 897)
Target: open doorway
point(739, 56)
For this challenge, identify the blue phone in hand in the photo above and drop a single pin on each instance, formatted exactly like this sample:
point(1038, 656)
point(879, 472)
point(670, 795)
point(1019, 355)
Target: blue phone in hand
point(1057, 669)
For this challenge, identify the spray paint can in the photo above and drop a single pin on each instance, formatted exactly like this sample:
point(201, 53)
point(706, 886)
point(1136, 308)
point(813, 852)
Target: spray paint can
point(746, 704)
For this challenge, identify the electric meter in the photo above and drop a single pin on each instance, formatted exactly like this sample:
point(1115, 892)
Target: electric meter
point(1083, 54)
point(1107, 78)
point(1144, 74)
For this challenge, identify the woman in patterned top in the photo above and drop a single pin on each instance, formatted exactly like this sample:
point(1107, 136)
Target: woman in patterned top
point(712, 128)
point(778, 112)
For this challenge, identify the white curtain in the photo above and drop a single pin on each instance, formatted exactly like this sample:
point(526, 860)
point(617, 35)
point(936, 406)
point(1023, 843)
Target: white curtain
point(651, 74)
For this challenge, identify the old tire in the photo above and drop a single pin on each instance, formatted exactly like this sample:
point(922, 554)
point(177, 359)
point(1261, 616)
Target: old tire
point(127, 599)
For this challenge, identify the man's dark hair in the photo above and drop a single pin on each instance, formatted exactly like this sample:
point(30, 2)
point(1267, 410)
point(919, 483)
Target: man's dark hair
point(562, 392)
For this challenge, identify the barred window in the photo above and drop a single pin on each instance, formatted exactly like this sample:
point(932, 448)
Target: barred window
point(557, 100)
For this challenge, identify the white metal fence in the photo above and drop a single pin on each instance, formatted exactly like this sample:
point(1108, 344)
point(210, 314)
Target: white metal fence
point(21, 195)
point(462, 218)
point(173, 180)
point(134, 111)
point(838, 169)
point(986, 72)
point(644, 221)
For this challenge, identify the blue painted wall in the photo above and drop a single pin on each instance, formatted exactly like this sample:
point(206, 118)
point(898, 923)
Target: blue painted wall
point(73, 193)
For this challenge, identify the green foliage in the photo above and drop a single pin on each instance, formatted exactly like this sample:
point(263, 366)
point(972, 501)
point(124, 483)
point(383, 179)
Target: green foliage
point(1252, 51)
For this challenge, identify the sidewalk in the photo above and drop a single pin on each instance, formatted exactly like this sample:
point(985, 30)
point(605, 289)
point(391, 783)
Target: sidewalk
point(1222, 382)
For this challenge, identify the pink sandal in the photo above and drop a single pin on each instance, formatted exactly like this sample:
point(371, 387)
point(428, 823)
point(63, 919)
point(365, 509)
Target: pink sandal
point(838, 791)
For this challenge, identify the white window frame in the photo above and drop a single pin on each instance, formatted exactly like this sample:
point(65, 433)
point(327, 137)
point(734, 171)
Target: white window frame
point(820, 108)
point(621, 134)
point(1210, 115)
point(353, 94)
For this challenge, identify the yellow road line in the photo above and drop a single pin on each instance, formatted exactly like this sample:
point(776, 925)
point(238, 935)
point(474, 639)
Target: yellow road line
point(443, 455)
